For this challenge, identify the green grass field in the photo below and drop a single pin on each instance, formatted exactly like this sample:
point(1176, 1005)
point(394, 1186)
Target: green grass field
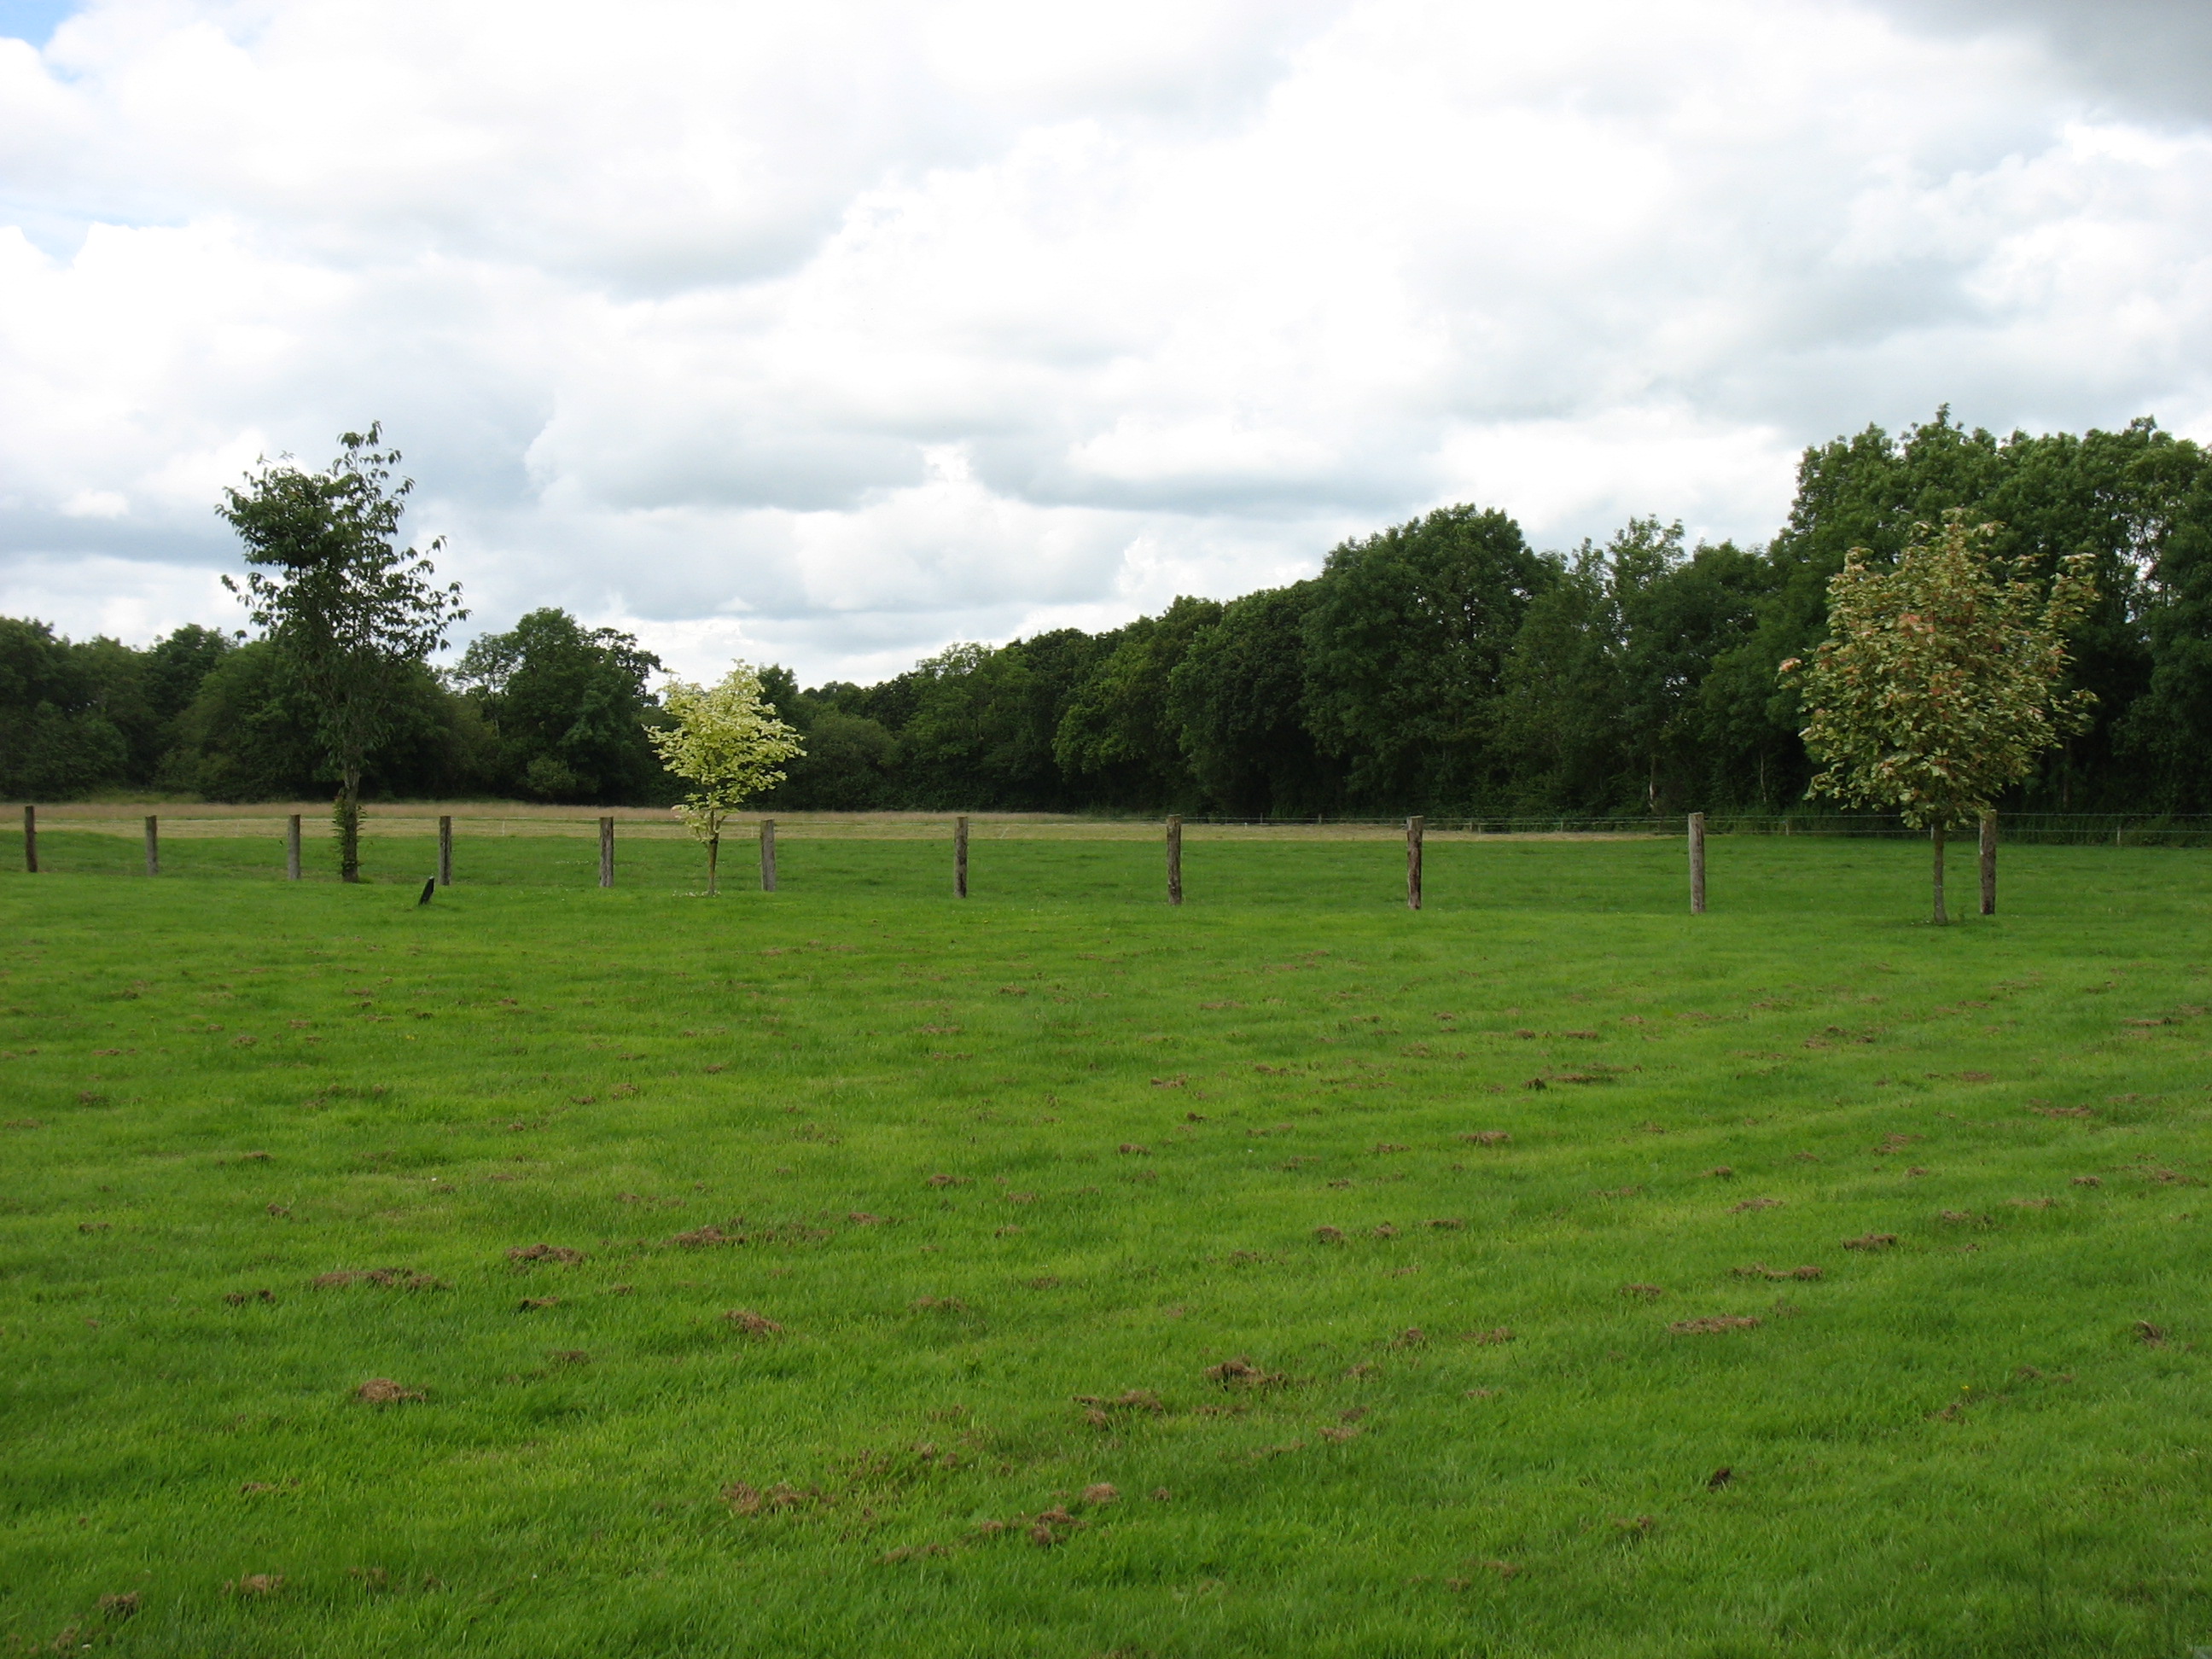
point(1056, 1274)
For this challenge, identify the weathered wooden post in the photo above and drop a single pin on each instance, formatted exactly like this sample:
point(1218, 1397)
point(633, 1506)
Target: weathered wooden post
point(960, 857)
point(1175, 860)
point(30, 839)
point(1697, 864)
point(1935, 834)
point(1414, 826)
point(153, 844)
point(1989, 863)
point(768, 855)
point(606, 852)
point(292, 849)
point(445, 851)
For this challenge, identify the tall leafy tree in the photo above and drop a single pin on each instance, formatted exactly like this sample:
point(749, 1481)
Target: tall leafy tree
point(1118, 739)
point(1561, 734)
point(2123, 496)
point(1944, 679)
point(570, 705)
point(1677, 616)
point(58, 733)
point(351, 614)
point(1405, 652)
point(1238, 700)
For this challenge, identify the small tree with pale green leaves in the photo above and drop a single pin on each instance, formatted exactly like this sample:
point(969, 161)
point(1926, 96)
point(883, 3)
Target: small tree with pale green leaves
point(1944, 679)
point(727, 744)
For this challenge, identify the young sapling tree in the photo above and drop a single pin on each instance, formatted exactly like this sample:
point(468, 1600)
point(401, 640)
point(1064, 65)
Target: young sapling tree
point(727, 743)
point(1943, 678)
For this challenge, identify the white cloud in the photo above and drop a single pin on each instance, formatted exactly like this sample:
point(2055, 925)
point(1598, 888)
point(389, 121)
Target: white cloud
point(837, 332)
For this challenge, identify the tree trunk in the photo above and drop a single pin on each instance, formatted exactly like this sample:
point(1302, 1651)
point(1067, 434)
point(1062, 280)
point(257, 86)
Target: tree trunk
point(1936, 835)
point(713, 854)
point(348, 818)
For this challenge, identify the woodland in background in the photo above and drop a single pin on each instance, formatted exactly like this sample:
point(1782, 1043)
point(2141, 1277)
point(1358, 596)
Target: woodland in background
point(1442, 665)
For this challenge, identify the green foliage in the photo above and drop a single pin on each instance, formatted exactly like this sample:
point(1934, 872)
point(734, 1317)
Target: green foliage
point(1602, 705)
point(726, 743)
point(79, 718)
point(569, 707)
point(352, 614)
point(2124, 497)
point(1406, 646)
point(1119, 739)
point(2165, 730)
point(1238, 698)
point(1441, 666)
point(249, 735)
point(1945, 678)
point(851, 764)
point(1981, 1438)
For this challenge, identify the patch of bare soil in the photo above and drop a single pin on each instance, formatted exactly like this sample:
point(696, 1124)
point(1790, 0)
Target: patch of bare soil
point(1242, 1373)
point(544, 1253)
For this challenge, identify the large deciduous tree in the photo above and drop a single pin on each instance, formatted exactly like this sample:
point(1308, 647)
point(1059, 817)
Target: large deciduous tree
point(1943, 680)
point(1239, 697)
point(1405, 649)
point(726, 743)
point(569, 705)
point(352, 614)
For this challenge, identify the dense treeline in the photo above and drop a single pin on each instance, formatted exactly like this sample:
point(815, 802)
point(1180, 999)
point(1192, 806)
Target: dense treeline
point(1441, 665)
point(550, 711)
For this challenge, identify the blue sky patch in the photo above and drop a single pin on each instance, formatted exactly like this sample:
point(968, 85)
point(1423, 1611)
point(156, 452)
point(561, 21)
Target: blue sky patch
point(34, 20)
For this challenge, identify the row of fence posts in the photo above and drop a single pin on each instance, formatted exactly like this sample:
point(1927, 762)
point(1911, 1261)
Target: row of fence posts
point(1988, 850)
point(291, 846)
point(1415, 830)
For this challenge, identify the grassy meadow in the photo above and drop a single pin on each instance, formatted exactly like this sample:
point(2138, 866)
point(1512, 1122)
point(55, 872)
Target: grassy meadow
point(557, 1272)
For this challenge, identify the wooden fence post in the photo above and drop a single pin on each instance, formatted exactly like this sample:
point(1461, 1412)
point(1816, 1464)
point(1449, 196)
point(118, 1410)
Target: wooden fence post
point(1414, 827)
point(606, 852)
point(292, 849)
point(153, 844)
point(1989, 863)
point(445, 851)
point(768, 855)
point(1697, 864)
point(1175, 860)
point(960, 857)
point(30, 839)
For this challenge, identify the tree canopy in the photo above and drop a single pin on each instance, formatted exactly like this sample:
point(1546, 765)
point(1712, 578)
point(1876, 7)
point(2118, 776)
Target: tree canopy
point(351, 615)
point(726, 743)
point(1441, 665)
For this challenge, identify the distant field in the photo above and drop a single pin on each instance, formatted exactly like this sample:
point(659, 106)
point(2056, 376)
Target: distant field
point(1547, 1272)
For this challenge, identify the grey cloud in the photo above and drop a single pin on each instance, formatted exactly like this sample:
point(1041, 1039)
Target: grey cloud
point(2144, 58)
point(925, 343)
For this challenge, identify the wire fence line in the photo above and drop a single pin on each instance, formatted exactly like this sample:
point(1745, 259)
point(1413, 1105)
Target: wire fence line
point(476, 820)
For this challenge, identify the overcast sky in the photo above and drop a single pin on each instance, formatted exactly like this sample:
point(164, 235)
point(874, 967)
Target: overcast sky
point(830, 333)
